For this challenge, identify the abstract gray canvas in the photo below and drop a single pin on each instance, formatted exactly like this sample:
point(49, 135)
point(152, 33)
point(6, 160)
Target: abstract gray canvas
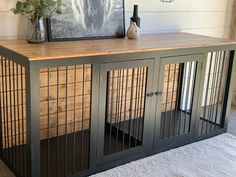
point(88, 19)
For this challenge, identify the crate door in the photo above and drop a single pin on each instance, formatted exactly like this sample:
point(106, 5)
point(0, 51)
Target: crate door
point(177, 97)
point(214, 88)
point(125, 121)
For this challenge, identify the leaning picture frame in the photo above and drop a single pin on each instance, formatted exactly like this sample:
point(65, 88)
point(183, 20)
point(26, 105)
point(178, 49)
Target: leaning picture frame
point(88, 19)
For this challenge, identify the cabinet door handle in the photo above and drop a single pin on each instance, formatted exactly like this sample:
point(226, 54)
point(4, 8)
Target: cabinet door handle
point(150, 94)
point(159, 93)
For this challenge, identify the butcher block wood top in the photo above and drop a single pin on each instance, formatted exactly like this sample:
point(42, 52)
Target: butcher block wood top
point(82, 48)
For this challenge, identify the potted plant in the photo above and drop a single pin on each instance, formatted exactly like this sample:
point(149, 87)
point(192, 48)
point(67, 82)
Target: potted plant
point(36, 11)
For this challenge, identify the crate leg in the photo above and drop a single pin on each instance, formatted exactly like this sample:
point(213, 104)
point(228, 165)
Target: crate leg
point(33, 122)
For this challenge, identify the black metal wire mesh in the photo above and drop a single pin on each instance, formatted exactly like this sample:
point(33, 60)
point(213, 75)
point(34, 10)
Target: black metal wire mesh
point(65, 119)
point(177, 99)
point(214, 91)
point(126, 92)
point(13, 115)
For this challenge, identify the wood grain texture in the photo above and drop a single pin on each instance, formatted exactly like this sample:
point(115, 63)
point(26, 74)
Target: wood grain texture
point(64, 101)
point(146, 43)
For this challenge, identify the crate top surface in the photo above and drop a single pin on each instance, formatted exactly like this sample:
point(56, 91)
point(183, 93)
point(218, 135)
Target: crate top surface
point(83, 48)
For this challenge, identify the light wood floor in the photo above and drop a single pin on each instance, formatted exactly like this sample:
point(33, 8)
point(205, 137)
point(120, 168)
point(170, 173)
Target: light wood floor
point(5, 172)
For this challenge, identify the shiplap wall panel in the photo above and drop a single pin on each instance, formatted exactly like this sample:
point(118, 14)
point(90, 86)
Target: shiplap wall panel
point(11, 26)
point(156, 5)
point(182, 20)
point(181, 5)
point(6, 5)
point(157, 17)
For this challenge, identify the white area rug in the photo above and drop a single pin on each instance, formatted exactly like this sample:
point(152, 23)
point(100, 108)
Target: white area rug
point(214, 157)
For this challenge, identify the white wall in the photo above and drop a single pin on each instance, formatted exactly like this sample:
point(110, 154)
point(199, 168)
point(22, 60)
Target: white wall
point(208, 17)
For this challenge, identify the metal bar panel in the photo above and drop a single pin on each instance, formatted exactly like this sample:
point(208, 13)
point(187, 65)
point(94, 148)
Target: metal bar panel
point(206, 96)
point(21, 143)
point(171, 107)
point(57, 139)
point(4, 107)
point(48, 122)
point(23, 125)
point(220, 86)
point(66, 121)
point(11, 111)
point(166, 102)
point(82, 135)
point(125, 108)
point(131, 107)
point(182, 93)
point(14, 117)
point(229, 88)
point(74, 126)
point(215, 87)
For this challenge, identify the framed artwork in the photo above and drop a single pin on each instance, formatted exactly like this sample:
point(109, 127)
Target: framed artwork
point(88, 19)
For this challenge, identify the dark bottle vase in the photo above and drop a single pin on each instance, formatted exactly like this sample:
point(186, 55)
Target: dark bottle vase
point(135, 18)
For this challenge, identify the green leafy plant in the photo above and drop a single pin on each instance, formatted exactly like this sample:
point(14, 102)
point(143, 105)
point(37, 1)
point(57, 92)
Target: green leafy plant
point(37, 9)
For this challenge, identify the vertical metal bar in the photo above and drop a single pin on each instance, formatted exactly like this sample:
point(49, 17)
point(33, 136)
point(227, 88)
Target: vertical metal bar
point(141, 111)
point(166, 103)
point(23, 126)
point(14, 105)
point(220, 85)
point(10, 106)
point(228, 89)
point(140, 88)
point(7, 108)
point(178, 93)
point(117, 108)
point(192, 93)
point(187, 95)
point(74, 128)
point(111, 110)
point(136, 106)
point(82, 138)
point(1, 116)
point(206, 94)
point(183, 85)
point(57, 139)
point(131, 105)
point(172, 95)
point(122, 87)
point(145, 70)
point(213, 120)
point(66, 121)
point(18, 115)
point(212, 94)
point(32, 120)
point(4, 106)
point(145, 90)
point(213, 85)
point(48, 123)
point(125, 104)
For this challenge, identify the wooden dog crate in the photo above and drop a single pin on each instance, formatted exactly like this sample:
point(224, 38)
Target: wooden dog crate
point(76, 108)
